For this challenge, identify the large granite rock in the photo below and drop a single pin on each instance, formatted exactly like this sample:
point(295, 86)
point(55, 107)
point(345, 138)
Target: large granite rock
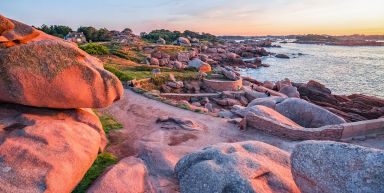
point(45, 150)
point(40, 70)
point(130, 175)
point(290, 91)
point(199, 65)
point(322, 166)
point(268, 119)
point(268, 101)
point(237, 168)
point(307, 114)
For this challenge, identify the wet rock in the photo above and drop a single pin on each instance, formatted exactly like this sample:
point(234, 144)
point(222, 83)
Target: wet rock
point(324, 166)
point(42, 148)
point(307, 114)
point(239, 167)
point(284, 56)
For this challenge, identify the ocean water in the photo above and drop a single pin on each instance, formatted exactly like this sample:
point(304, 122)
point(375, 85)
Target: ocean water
point(345, 70)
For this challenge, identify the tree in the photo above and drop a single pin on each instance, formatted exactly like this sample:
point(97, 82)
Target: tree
point(56, 30)
point(89, 32)
point(104, 35)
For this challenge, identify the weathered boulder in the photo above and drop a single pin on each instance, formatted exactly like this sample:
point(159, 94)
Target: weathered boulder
point(252, 95)
point(268, 119)
point(199, 65)
point(42, 148)
point(324, 166)
point(268, 101)
point(130, 175)
point(154, 62)
point(290, 91)
point(183, 56)
point(282, 83)
point(307, 114)
point(49, 72)
point(243, 167)
point(268, 84)
point(183, 41)
point(161, 41)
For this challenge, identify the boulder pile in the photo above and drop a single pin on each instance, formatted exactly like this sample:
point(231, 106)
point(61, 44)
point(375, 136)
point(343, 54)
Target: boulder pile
point(47, 134)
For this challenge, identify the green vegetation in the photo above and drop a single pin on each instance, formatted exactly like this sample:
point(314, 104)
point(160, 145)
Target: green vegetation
point(102, 161)
point(184, 106)
point(96, 49)
point(95, 35)
point(171, 36)
point(55, 30)
point(109, 123)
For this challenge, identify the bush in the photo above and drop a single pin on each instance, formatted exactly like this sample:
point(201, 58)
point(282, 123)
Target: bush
point(102, 161)
point(95, 49)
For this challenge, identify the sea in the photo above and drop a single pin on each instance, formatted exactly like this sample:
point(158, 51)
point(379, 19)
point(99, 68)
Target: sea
point(343, 69)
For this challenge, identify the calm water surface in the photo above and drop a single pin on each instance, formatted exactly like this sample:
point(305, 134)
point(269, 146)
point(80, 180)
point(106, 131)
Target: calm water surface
point(345, 70)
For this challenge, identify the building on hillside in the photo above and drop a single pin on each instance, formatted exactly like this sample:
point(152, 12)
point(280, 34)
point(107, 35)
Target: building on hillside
point(77, 37)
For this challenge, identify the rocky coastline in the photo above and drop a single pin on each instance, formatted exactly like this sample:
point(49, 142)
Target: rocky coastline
point(191, 123)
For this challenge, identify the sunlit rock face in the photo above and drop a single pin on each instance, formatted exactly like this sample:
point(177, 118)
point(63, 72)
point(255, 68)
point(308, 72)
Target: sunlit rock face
point(40, 70)
point(249, 166)
point(324, 166)
point(46, 150)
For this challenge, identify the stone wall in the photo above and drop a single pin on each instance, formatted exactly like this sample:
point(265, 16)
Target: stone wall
point(224, 85)
point(339, 132)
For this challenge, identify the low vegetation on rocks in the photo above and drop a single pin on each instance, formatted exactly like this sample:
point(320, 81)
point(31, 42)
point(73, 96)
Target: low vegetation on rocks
point(95, 49)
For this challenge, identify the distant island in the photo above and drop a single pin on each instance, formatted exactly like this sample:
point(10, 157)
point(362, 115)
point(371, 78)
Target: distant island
point(346, 40)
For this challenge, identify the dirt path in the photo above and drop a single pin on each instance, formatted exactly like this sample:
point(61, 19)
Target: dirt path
point(161, 145)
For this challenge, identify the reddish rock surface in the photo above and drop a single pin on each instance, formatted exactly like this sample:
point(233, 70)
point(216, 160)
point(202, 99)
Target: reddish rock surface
point(40, 70)
point(356, 107)
point(130, 175)
point(45, 150)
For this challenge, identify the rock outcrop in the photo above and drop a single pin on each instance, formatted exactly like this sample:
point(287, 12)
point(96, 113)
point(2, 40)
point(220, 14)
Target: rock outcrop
point(239, 167)
point(43, 71)
point(356, 107)
point(322, 166)
point(40, 149)
point(48, 139)
point(307, 114)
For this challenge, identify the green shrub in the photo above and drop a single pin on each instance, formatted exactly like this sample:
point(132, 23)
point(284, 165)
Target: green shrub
point(96, 49)
point(102, 161)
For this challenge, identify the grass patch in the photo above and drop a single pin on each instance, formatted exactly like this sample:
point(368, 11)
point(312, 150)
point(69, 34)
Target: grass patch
point(109, 123)
point(102, 161)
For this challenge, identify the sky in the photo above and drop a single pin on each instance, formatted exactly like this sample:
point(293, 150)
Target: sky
point(219, 17)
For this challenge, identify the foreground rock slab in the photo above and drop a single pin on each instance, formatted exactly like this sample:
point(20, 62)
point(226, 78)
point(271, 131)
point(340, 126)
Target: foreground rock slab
point(322, 166)
point(130, 175)
point(45, 150)
point(40, 70)
point(307, 114)
point(249, 166)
